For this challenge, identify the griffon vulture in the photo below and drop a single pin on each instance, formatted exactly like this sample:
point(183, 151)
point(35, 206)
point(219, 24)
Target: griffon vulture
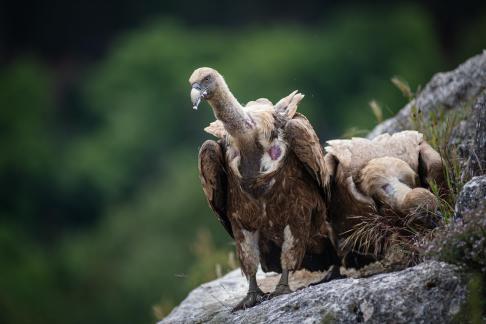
point(387, 174)
point(266, 181)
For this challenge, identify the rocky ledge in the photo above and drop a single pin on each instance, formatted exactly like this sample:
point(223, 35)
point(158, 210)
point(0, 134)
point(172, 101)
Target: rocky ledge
point(431, 292)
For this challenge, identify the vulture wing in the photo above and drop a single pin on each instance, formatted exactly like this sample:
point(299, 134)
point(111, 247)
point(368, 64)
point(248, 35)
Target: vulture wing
point(303, 141)
point(216, 128)
point(214, 181)
point(287, 106)
point(430, 165)
point(259, 101)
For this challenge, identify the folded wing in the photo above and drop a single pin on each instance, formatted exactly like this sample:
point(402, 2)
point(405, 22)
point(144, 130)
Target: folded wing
point(303, 141)
point(214, 181)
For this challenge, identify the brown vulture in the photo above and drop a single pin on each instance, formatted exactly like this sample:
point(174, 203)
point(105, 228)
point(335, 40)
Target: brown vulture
point(266, 181)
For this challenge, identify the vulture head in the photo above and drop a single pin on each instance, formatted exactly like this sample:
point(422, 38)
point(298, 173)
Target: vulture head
point(208, 84)
point(205, 82)
point(392, 182)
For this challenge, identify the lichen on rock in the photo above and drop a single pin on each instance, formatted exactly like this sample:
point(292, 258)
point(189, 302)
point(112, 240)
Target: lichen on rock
point(463, 241)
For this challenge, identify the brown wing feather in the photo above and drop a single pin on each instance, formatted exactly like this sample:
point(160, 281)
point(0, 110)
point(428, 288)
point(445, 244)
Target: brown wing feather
point(214, 181)
point(303, 141)
point(288, 106)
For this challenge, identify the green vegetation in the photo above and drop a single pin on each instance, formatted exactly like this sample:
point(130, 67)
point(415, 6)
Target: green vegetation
point(102, 215)
point(438, 127)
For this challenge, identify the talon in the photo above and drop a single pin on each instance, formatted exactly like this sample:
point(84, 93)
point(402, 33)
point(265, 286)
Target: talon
point(251, 299)
point(281, 289)
point(332, 274)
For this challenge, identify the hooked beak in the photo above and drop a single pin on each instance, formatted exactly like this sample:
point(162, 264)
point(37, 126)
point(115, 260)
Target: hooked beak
point(197, 94)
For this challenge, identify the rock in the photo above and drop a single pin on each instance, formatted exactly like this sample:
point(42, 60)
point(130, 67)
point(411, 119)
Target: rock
point(472, 199)
point(469, 137)
point(463, 242)
point(447, 90)
point(431, 292)
point(477, 148)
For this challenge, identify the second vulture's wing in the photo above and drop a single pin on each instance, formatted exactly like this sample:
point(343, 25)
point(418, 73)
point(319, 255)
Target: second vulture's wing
point(430, 166)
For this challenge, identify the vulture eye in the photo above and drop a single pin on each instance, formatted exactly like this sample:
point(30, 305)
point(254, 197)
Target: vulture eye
point(207, 78)
point(386, 188)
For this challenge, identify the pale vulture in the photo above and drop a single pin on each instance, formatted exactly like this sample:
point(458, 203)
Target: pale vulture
point(388, 174)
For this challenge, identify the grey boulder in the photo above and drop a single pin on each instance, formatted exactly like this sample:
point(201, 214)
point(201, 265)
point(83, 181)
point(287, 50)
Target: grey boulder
point(430, 292)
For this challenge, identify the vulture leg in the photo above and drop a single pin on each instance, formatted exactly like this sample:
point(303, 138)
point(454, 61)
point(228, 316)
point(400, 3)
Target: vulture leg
point(249, 255)
point(283, 285)
point(254, 296)
point(293, 250)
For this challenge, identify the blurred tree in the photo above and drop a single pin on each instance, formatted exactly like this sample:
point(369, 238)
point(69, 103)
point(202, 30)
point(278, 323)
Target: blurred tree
point(27, 138)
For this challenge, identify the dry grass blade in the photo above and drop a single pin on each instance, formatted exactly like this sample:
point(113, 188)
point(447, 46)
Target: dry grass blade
point(403, 87)
point(377, 111)
point(381, 234)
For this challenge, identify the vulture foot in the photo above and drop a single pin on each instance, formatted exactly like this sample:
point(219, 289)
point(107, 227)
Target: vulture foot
point(251, 299)
point(281, 289)
point(332, 274)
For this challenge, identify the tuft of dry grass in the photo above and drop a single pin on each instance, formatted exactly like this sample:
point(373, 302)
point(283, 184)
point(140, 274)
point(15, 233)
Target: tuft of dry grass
point(386, 234)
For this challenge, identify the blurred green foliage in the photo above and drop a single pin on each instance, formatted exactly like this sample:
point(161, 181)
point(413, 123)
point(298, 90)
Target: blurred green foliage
point(101, 205)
